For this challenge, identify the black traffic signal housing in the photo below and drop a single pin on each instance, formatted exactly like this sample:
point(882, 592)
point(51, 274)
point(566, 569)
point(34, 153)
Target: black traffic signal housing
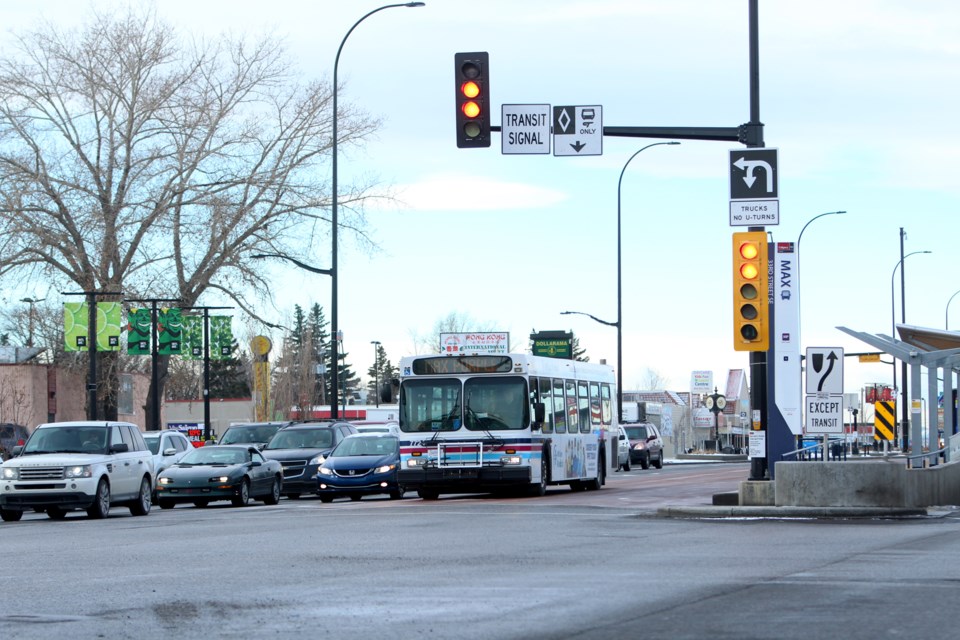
point(472, 75)
point(751, 306)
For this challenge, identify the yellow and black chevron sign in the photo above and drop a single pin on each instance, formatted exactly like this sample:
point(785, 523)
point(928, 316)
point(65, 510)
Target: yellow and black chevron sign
point(884, 419)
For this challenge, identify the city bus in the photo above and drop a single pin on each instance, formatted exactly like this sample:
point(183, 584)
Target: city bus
point(484, 423)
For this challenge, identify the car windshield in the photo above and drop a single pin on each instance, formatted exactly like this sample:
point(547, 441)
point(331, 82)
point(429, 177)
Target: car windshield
point(366, 447)
point(248, 434)
point(92, 439)
point(302, 439)
point(215, 455)
point(636, 433)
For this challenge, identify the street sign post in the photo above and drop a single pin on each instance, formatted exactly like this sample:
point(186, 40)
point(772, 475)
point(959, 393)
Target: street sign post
point(578, 130)
point(754, 187)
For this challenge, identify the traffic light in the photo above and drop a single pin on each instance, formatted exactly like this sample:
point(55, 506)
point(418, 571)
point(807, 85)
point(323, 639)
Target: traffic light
point(751, 307)
point(473, 99)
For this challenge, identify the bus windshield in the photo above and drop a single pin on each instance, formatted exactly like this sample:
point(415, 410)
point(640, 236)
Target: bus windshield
point(491, 404)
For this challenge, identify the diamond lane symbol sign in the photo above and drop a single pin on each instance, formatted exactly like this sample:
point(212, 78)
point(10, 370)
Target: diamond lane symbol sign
point(578, 130)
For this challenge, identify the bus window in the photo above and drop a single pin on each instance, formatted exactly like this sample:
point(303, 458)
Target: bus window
point(607, 403)
point(583, 400)
point(594, 403)
point(546, 398)
point(430, 405)
point(559, 407)
point(494, 404)
point(572, 417)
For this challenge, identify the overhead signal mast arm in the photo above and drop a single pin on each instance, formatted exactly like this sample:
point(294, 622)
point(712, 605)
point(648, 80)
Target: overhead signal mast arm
point(750, 134)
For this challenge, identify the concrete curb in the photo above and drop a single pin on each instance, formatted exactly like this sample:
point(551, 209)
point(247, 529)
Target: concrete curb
point(703, 512)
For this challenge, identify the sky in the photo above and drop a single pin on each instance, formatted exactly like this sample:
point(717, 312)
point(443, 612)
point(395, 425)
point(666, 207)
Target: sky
point(860, 98)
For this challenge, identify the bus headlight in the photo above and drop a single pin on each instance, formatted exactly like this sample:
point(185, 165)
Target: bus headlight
point(510, 460)
point(413, 463)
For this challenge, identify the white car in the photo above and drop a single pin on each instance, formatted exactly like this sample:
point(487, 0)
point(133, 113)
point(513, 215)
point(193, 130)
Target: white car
point(167, 447)
point(78, 465)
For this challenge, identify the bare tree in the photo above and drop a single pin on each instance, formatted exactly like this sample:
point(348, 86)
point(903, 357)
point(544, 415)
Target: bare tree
point(653, 380)
point(134, 162)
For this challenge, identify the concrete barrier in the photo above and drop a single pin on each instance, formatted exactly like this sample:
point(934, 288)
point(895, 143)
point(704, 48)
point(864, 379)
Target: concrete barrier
point(866, 483)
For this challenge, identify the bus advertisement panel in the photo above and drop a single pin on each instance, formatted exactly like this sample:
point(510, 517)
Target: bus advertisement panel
point(477, 423)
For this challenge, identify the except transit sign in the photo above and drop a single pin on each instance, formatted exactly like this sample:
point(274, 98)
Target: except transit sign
point(525, 129)
point(824, 400)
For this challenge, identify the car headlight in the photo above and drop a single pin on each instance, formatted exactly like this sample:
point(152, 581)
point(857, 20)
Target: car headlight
point(385, 468)
point(324, 471)
point(78, 471)
point(165, 480)
point(317, 460)
point(640, 446)
point(220, 479)
point(10, 473)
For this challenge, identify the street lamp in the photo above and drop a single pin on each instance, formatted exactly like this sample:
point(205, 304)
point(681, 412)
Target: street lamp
point(947, 311)
point(619, 323)
point(333, 198)
point(31, 302)
point(376, 370)
point(799, 238)
point(893, 333)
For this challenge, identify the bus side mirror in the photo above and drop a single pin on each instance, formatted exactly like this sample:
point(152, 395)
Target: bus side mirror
point(386, 390)
point(539, 414)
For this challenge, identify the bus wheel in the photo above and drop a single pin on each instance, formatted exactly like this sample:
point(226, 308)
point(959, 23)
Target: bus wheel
point(540, 489)
point(595, 483)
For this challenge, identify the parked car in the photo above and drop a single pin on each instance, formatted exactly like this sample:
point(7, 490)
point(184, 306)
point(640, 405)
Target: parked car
point(168, 447)
point(623, 450)
point(301, 448)
point(78, 465)
point(361, 465)
point(237, 473)
point(11, 435)
point(646, 445)
point(255, 433)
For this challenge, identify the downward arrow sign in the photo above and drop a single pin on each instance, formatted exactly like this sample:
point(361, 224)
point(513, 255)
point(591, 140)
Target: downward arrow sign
point(578, 147)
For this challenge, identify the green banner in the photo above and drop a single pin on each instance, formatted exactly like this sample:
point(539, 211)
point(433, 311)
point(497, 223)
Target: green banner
point(191, 343)
point(76, 325)
point(138, 332)
point(169, 331)
point(221, 337)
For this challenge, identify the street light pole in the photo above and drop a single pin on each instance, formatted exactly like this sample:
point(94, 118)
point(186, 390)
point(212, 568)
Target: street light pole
point(893, 333)
point(619, 323)
point(30, 315)
point(799, 238)
point(376, 370)
point(333, 198)
point(946, 325)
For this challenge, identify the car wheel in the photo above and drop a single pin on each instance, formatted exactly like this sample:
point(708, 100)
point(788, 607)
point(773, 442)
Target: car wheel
point(428, 494)
point(274, 496)
point(141, 506)
point(355, 497)
point(243, 495)
point(540, 489)
point(645, 461)
point(292, 496)
point(101, 504)
point(166, 504)
point(626, 465)
point(201, 503)
point(326, 498)
point(10, 515)
point(56, 513)
point(396, 494)
point(659, 464)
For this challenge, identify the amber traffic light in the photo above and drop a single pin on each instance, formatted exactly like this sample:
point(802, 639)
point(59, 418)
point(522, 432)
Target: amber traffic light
point(473, 99)
point(751, 307)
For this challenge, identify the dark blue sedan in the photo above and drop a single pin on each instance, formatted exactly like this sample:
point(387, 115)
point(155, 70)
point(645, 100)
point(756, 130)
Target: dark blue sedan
point(237, 473)
point(362, 464)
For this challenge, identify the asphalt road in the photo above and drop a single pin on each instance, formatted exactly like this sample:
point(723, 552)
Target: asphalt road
point(569, 565)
